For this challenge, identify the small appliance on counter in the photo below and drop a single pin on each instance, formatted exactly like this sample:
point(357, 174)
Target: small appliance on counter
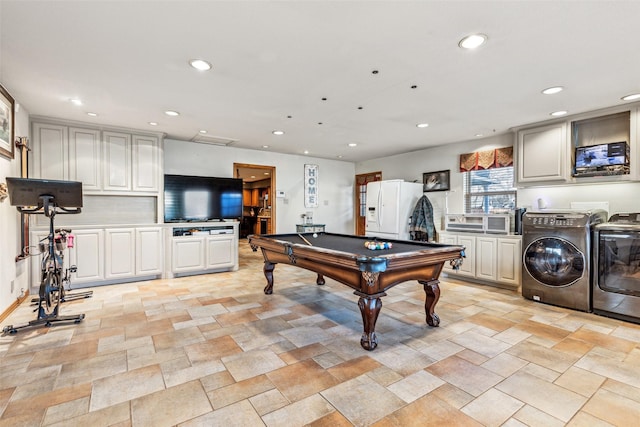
point(517, 227)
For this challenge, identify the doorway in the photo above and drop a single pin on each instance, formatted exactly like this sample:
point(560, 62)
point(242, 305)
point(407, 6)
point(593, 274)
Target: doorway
point(361, 199)
point(258, 198)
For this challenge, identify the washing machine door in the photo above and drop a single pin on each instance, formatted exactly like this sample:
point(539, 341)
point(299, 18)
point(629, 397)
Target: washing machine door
point(554, 261)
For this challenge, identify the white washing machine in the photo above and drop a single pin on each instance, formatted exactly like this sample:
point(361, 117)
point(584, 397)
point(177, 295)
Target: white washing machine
point(557, 257)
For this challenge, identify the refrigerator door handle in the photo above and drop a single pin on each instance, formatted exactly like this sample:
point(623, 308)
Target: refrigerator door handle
point(380, 197)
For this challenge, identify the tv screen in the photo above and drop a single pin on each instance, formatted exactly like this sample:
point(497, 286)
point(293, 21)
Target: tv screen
point(199, 198)
point(595, 156)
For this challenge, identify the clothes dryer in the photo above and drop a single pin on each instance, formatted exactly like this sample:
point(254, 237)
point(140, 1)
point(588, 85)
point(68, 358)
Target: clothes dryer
point(557, 257)
point(616, 257)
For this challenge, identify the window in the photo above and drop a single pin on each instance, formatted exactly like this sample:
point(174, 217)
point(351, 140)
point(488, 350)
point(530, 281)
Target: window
point(489, 191)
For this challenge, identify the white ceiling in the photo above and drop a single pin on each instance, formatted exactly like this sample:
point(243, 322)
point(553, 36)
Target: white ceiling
point(128, 62)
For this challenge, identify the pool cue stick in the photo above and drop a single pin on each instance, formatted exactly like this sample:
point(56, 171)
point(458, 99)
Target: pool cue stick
point(305, 240)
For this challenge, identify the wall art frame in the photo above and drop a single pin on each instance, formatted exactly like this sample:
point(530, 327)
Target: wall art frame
point(7, 123)
point(436, 181)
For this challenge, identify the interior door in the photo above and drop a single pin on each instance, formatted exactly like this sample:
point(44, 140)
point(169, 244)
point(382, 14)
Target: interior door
point(361, 199)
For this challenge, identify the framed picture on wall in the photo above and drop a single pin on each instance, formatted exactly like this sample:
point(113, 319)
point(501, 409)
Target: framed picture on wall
point(436, 181)
point(6, 123)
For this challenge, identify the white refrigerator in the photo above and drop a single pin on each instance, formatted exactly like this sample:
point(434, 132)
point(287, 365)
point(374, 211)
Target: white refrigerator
point(389, 207)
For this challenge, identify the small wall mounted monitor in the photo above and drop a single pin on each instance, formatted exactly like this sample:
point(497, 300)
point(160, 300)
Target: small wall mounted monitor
point(611, 154)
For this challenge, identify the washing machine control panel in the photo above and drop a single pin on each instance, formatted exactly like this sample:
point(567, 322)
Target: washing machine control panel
point(549, 220)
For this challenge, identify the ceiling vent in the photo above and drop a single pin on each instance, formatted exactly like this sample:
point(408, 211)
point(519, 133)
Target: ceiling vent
point(213, 140)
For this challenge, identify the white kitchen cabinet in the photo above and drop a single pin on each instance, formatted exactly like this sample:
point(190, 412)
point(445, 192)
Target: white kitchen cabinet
point(50, 151)
point(509, 255)
point(84, 158)
point(149, 251)
point(222, 251)
point(542, 154)
point(188, 254)
point(145, 163)
point(117, 161)
point(488, 258)
point(88, 255)
point(120, 253)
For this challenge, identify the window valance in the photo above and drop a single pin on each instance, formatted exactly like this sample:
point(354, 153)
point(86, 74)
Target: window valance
point(490, 159)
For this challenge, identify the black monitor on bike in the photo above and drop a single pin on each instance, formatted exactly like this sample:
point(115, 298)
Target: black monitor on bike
point(33, 192)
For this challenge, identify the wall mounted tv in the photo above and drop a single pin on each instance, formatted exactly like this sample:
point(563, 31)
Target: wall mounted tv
point(602, 159)
point(199, 198)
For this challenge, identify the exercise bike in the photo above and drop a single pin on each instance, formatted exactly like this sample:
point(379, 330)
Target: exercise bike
point(49, 197)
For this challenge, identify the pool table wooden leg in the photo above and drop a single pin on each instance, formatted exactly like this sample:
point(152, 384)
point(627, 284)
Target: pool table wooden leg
point(268, 273)
point(432, 290)
point(369, 308)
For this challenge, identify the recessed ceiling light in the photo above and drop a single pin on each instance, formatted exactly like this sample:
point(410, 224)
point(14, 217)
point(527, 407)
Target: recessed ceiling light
point(202, 131)
point(559, 113)
point(153, 123)
point(278, 132)
point(92, 114)
point(265, 146)
point(253, 176)
point(306, 151)
point(352, 144)
point(422, 125)
point(552, 90)
point(478, 135)
point(266, 173)
point(76, 101)
point(340, 156)
point(473, 41)
point(171, 113)
point(631, 97)
point(200, 64)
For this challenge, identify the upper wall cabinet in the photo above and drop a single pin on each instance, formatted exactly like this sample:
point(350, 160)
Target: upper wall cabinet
point(542, 154)
point(105, 161)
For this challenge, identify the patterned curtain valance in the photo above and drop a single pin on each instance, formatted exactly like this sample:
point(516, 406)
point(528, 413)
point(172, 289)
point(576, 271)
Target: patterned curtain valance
point(490, 159)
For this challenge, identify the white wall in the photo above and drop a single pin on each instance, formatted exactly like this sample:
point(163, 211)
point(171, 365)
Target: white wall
point(12, 274)
point(411, 166)
point(335, 180)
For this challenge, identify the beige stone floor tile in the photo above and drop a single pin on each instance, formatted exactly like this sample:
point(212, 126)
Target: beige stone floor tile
point(543, 331)
point(613, 408)
point(303, 353)
point(67, 411)
point(541, 372)
point(580, 381)
point(177, 338)
point(622, 389)
point(353, 368)
point(479, 343)
point(215, 348)
point(545, 396)
point(414, 386)
point(582, 419)
point(268, 401)
point(621, 371)
point(144, 356)
point(170, 406)
point(504, 364)
point(531, 416)
point(67, 354)
point(441, 349)
point(491, 321)
point(300, 413)
point(287, 379)
point(252, 363)
point(190, 373)
point(472, 356)
point(401, 358)
point(452, 395)
point(125, 386)
point(607, 341)
point(238, 414)
point(469, 377)
point(362, 401)
point(217, 380)
point(38, 404)
point(427, 411)
point(235, 392)
point(492, 408)
point(384, 376)
point(334, 419)
point(557, 360)
point(87, 370)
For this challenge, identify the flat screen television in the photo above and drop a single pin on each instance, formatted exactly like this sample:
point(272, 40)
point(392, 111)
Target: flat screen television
point(611, 159)
point(199, 198)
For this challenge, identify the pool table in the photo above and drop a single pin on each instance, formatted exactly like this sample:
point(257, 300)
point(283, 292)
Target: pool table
point(370, 273)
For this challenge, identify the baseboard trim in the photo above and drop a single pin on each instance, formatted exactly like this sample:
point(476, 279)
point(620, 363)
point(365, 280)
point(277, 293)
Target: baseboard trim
point(13, 306)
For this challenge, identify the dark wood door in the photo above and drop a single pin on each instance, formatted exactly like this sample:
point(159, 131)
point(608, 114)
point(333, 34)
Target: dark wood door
point(361, 199)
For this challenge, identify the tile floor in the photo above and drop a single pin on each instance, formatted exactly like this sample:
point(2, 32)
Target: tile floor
point(213, 350)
